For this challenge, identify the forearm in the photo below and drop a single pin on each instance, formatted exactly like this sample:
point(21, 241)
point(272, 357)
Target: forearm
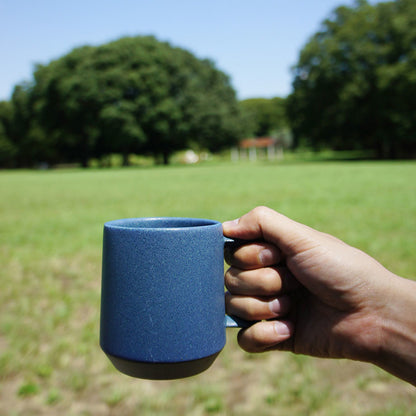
point(397, 352)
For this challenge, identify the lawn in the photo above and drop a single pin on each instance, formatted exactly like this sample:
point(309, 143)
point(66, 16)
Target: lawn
point(50, 256)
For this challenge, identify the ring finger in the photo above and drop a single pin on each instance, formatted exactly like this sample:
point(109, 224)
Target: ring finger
point(256, 309)
point(267, 281)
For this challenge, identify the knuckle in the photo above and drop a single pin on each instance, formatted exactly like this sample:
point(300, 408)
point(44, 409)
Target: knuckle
point(261, 211)
point(231, 281)
point(252, 339)
point(269, 277)
point(268, 281)
point(247, 342)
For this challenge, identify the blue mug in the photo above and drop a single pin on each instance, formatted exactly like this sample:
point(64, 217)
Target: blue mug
point(162, 299)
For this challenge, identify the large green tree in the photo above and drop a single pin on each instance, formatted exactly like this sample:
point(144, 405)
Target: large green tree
point(355, 82)
point(133, 95)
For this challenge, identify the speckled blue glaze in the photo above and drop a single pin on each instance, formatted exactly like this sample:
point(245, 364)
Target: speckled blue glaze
point(162, 297)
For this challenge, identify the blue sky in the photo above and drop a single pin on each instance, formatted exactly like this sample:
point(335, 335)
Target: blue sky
point(254, 42)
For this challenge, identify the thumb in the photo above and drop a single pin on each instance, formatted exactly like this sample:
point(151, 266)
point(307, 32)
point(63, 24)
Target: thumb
point(266, 224)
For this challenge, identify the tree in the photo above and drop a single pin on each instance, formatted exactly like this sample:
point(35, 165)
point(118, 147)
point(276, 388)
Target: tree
point(32, 145)
point(7, 148)
point(264, 116)
point(133, 95)
point(355, 82)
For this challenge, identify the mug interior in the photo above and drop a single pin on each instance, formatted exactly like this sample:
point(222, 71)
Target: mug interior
point(161, 223)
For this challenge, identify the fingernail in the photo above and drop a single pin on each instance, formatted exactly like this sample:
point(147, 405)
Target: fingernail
point(282, 328)
point(275, 306)
point(231, 223)
point(267, 257)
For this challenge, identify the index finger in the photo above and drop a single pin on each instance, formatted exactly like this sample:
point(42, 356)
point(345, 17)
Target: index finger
point(266, 224)
point(253, 255)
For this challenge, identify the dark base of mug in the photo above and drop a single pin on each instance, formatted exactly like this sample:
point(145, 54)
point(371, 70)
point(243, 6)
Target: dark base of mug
point(162, 371)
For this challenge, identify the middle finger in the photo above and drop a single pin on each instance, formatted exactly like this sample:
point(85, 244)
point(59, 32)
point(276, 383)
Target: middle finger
point(267, 281)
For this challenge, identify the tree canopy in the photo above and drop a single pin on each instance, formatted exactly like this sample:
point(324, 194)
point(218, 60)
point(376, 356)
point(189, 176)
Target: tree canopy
point(263, 116)
point(133, 95)
point(355, 82)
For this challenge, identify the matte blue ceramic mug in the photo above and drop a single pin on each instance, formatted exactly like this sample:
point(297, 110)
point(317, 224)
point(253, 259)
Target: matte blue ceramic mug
point(162, 300)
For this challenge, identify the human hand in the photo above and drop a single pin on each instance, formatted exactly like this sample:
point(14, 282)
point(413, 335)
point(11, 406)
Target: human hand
point(313, 293)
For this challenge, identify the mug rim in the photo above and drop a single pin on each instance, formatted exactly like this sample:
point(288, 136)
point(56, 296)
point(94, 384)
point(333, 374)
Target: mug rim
point(161, 223)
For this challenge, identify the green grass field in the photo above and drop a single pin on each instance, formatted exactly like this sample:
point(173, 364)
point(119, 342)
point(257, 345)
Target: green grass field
point(50, 256)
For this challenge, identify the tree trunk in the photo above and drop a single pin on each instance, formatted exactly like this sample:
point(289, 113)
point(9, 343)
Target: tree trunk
point(166, 158)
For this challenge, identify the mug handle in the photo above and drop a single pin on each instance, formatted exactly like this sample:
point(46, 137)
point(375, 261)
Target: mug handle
point(232, 321)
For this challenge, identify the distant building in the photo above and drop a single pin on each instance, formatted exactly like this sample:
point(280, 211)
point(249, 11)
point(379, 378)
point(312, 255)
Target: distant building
point(255, 147)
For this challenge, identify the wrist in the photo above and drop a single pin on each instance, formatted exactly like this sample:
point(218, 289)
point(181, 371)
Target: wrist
point(396, 351)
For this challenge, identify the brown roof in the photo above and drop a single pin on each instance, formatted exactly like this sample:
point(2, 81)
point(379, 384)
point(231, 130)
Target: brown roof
point(259, 142)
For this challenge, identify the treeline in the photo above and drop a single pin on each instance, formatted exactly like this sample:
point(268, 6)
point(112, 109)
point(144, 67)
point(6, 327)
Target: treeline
point(354, 88)
point(134, 95)
point(355, 82)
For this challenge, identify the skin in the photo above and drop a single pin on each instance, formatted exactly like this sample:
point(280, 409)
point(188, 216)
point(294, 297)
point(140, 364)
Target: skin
point(316, 295)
